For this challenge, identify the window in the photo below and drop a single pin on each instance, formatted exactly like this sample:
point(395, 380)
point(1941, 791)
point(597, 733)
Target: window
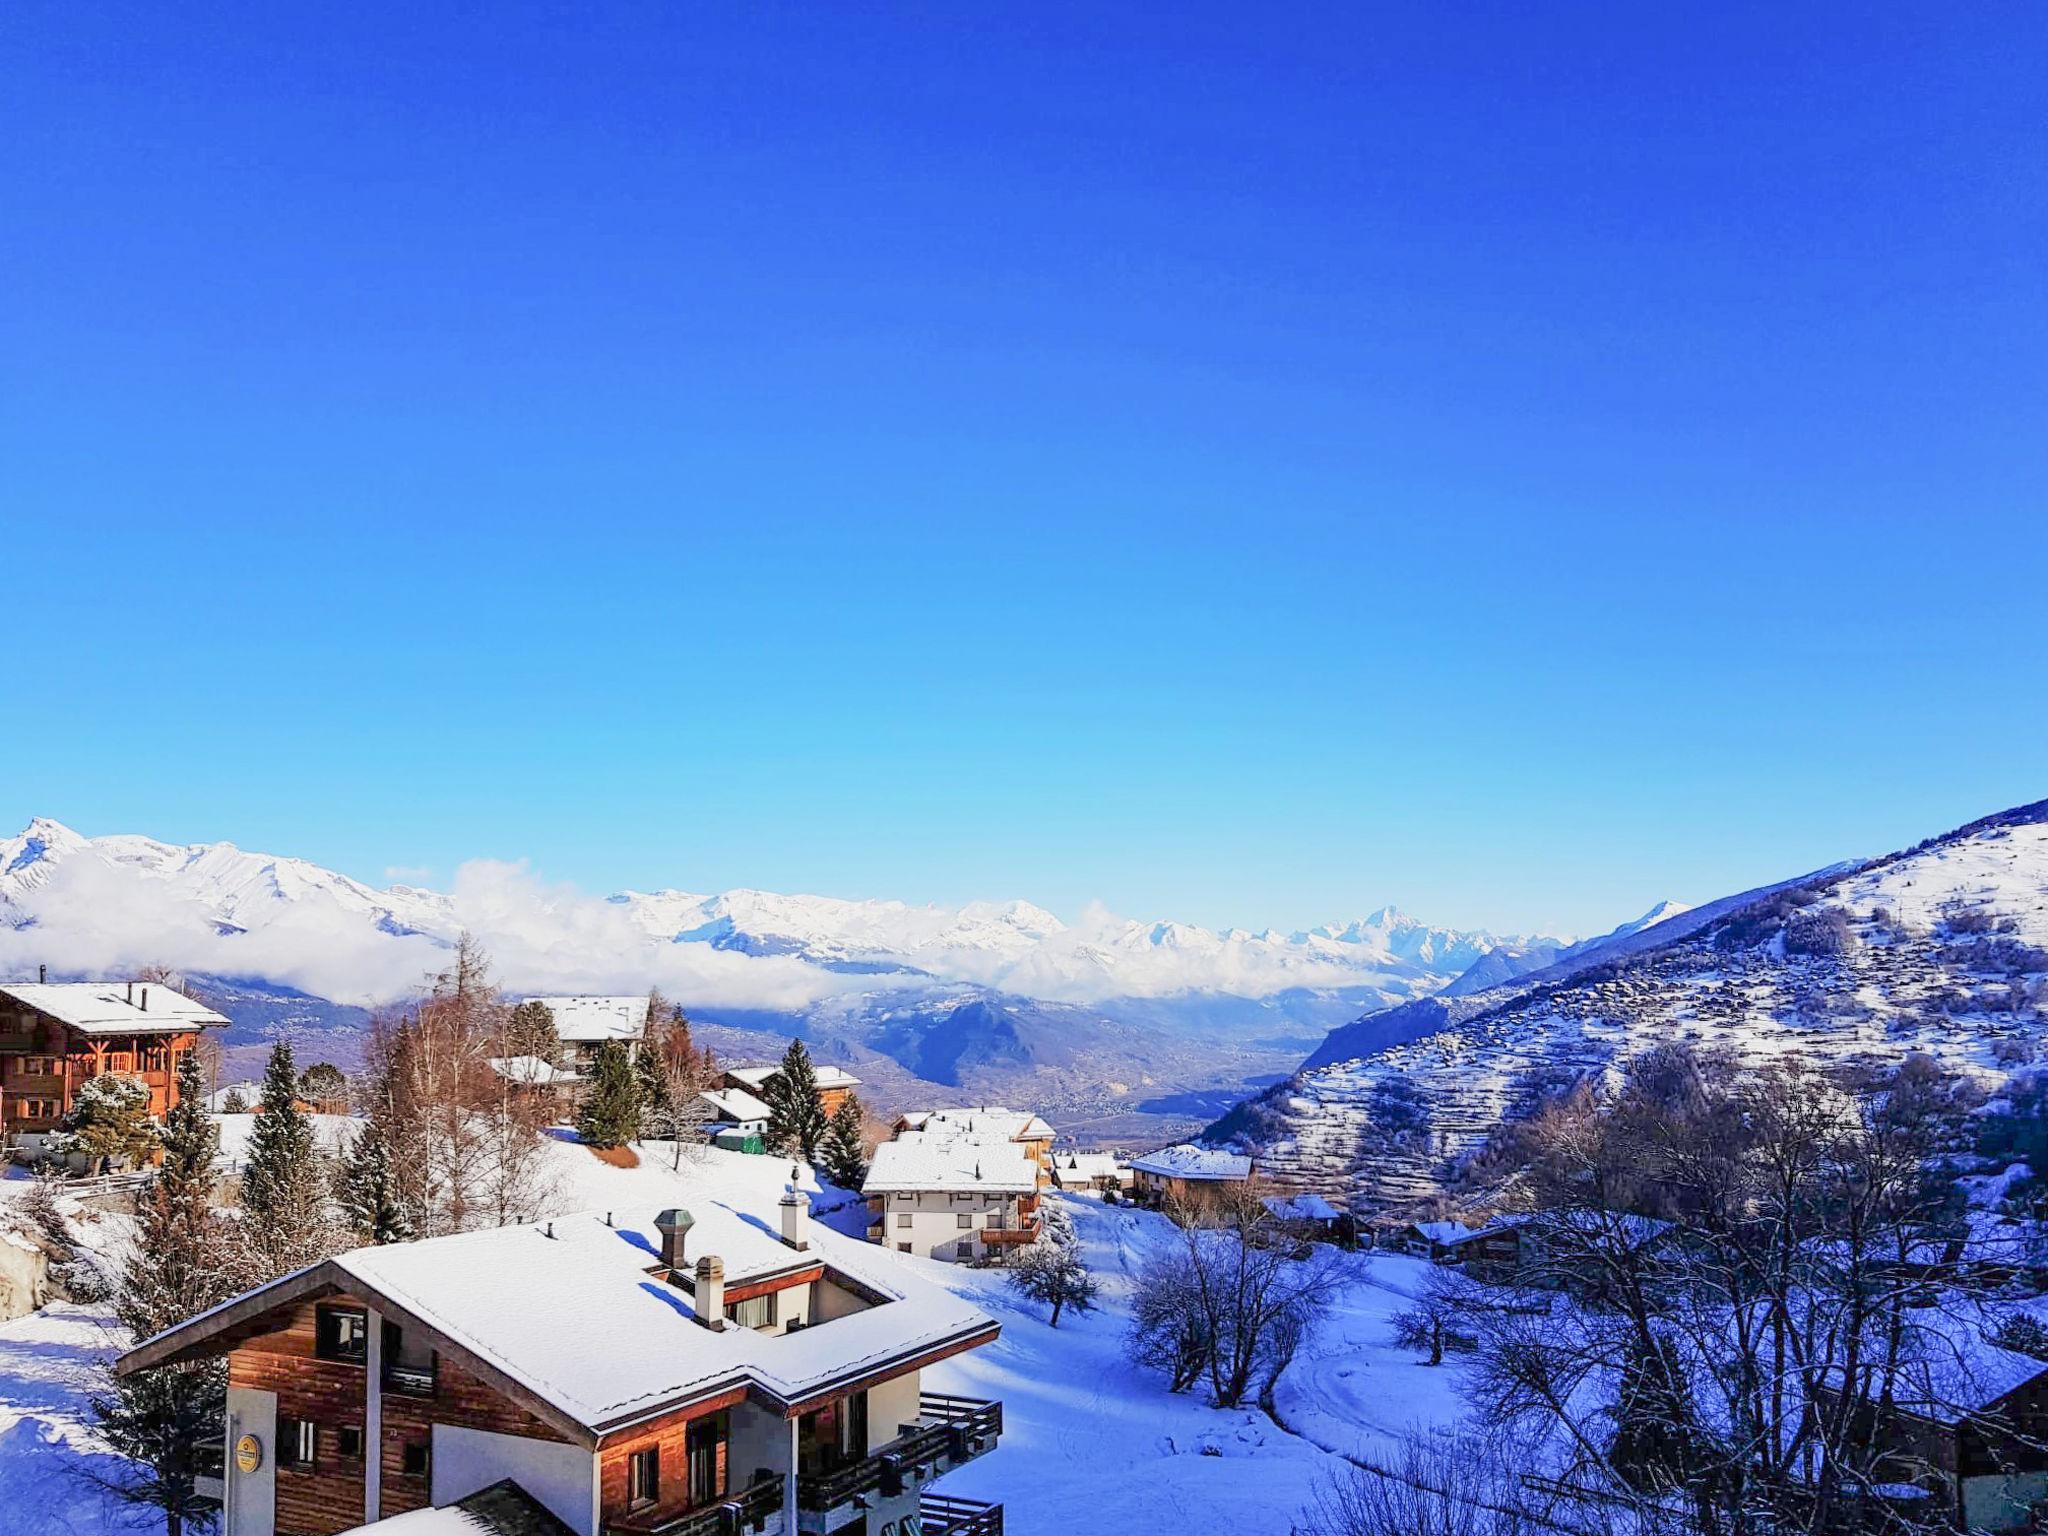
point(904, 1199)
point(964, 1248)
point(705, 1444)
point(903, 1247)
point(341, 1333)
point(903, 1218)
point(643, 1477)
point(964, 1221)
point(754, 1312)
point(349, 1442)
point(295, 1443)
point(416, 1459)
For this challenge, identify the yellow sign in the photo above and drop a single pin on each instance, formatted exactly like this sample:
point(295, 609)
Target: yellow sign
point(248, 1453)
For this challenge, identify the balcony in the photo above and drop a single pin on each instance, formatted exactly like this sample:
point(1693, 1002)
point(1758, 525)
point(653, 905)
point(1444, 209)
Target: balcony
point(939, 1515)
point(756, 1509)
point(949, 1432)
point(409, 1380)
point(1010, 1237)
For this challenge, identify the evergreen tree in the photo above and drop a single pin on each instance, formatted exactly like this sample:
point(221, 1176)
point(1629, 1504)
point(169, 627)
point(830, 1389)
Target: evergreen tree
point(657, 1096)
point(235, 1102)
point(186, 1257)
point(109, 1119)
point(841, 1153)
point(323, 1086)
point(796, 1124)
point(611, 1105)
point(530, 1031)
point(283, 1188)
point(368, 1190)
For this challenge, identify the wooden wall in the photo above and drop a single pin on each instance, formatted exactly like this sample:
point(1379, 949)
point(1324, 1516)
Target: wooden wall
point(328, 1498)
point(671, 1435)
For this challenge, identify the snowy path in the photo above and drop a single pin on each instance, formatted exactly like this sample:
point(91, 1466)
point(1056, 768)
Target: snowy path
point(48, 1370)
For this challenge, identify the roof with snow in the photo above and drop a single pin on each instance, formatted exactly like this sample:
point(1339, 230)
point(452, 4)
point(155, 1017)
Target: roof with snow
point(914, 1163)
point(735, 1104)
point(988, 1122)
point(828, 1077)
point(1076, 1166)
point(1306, 1206)
point(1188, 1161)
point(591, 1020)
point(503, 1509)
point(113, 1007)
point(1445, 1234)
point(534, 1071)
point(577, 1316)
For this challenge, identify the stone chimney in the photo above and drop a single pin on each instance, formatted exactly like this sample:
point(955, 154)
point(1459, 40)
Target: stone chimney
point(796, 1219)
point(709, 1300)
point(674, 1226)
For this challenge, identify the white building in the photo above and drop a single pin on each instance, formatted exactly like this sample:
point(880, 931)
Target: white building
point(1091, 1170)
point(735, 1110)
point(954, 1199)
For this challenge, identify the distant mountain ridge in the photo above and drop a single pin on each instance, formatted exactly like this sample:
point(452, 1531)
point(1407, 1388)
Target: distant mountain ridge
point(1941, 948)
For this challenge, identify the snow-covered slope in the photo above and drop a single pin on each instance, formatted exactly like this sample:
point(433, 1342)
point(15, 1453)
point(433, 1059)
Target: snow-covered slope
point(80, 903)
point(1942, 948)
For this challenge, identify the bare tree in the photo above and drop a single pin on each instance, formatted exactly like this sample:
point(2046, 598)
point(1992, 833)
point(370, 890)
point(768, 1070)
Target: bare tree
point(1437, 1487)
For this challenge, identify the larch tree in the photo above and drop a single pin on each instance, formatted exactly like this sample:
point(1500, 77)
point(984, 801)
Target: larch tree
point(796, 1122)
point(187, 1257)
point(284, 1185)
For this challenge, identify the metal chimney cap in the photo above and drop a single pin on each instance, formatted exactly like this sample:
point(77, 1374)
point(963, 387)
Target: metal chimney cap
point(674, 1219)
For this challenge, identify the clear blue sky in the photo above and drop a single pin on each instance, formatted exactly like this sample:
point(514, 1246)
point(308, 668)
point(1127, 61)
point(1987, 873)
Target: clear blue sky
point(1237, 463)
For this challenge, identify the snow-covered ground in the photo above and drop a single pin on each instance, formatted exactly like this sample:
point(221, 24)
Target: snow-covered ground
point(1089, 1441)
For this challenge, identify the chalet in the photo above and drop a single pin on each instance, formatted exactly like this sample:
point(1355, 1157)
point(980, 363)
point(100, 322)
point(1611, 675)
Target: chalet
point(55, 1035)
point(835, 1084)
point(739, 1121)
point(582, 1024)
point(1188, 1176)
point(1091, 1170)
point(646, 1373)
point(953, 1199)
point(1968, 1422)
point(987, 1124)
point(1306, 1215)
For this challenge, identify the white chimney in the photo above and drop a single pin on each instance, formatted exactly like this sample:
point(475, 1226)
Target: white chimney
point(796, 1219)
point(708, 1300)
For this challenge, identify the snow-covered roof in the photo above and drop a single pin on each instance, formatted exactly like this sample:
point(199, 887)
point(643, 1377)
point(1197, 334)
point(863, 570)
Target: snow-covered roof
point(113, 1007)
point(987, 1122)
point(535, 1071)
point(503, 1509)
point(1188, 1161)
point(217, 1101)
point(589, 1020)
point(574, 1312)
point(1446, 1233)
point(1068, 1166)
point(735, 1104)
point(827, 1077)
point(914, 1163)
point(1306, 1206)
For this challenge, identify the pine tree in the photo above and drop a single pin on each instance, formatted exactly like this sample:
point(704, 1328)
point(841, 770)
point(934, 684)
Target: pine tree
point(283, 1187)
point(186, 1257)
point(842, 1153)
point(368, 1191)
point(657, 1098)
point(109, 1119)
point(611, 1105)
point(530, 1031)
point(796, 1123)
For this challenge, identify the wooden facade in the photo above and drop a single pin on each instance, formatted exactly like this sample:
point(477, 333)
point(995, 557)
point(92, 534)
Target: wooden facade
point(44, 1062)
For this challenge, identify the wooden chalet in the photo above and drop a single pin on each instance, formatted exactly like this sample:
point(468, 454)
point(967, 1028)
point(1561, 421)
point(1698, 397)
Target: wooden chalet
point(55, 1036)
point(636, 1374)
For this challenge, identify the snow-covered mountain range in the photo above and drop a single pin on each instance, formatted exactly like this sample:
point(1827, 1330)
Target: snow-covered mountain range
point(80, 903)
point(1942, 948)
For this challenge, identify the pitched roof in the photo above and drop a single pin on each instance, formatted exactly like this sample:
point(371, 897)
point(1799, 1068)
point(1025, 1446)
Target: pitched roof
point(1080, 1166)
point(589, 1020)
point(735, 1104)
point(576, 1314)
point(914, 1163)
point(1306, 1206)
point(987, 1122)
point(536, 1071)
point(113, 1007)
point(828, 1077)
point(1188, 1161)
point(503, 1509)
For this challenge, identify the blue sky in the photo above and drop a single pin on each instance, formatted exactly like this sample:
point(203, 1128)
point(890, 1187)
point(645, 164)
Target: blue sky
point(1236, 465)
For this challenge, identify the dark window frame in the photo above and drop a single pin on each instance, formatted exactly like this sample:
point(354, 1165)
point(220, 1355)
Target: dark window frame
point(330, 1333)
point(643, 1477)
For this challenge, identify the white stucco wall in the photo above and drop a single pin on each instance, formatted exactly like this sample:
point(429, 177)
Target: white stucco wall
point(250, 1506)
point(934, 1230)
point(563, 1477)
point(891, 1405)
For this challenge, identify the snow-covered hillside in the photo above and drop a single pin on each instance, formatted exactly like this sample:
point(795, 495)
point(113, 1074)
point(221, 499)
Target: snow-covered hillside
point(103, 903)
point(1942, 948)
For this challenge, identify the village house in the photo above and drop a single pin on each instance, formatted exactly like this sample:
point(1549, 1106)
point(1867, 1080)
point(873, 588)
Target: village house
point(57, 1035)
point(582, 1024)
point(1188, 1177)
point(1307, 1215)
point(672, 1373)
point(988, 1123)
point(835, 1084)
point(1096, 1171)
point(954, 1199)
point(739, 1121)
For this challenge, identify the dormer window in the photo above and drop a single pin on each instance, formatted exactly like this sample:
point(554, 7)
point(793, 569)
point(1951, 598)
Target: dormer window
point(754, 1312)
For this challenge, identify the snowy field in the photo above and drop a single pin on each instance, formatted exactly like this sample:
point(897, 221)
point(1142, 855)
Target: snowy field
point(1089, 1442)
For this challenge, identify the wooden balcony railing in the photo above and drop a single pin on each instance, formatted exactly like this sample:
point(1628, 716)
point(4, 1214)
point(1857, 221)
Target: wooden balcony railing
point(410, 1380)
point(750, 1509)
point(940, 1515)
point(948, 1432)
point(1010, 1237)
